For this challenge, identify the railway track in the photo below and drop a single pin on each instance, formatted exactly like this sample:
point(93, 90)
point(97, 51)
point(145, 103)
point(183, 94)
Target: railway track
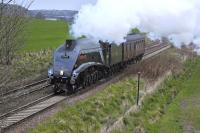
point(17, 99)
point(18, 115)
point(22, 93)
point(24, 87)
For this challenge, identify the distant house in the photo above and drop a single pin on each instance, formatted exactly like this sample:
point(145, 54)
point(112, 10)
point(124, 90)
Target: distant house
point(51, 19)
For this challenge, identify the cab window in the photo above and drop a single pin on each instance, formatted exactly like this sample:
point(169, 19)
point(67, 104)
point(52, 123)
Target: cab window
point(88, 57)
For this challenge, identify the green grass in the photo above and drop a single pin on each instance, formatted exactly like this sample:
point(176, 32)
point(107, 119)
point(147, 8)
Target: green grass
point(185, 110)
point(29, 64)
point(94, 113)
point(173, 108)
point(43, 34)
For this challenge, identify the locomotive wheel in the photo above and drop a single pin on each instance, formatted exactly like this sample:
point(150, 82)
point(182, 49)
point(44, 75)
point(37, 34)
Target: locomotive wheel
point(99, 75)
point(92, 78)
point(57, 89)
point(111, 71)
point(84, 83)
point(88, 80)
point(95, 77)
point(72, 89)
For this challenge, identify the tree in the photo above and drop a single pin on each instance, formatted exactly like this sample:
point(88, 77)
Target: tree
point(135, 31)
point(12, 23)
point(39, 15)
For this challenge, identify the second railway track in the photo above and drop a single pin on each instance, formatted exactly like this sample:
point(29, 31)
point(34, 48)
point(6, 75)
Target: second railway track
point(15, 116)
point(21, 97)
point(24, 87)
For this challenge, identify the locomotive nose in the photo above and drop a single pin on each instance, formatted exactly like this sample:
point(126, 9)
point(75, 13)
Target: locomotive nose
point(61, 73)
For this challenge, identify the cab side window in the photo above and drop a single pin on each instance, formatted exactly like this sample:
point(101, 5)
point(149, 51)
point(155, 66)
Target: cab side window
point(88, 57)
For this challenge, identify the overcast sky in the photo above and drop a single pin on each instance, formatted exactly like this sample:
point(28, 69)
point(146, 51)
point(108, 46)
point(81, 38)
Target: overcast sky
point(59, 4)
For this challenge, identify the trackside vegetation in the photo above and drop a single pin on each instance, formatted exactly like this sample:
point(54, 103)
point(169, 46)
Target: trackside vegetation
point(27, 67)
point(93, 113)
point(173, 108)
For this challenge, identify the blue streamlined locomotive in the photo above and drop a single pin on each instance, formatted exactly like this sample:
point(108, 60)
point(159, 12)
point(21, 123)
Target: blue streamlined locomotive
point(80, 63)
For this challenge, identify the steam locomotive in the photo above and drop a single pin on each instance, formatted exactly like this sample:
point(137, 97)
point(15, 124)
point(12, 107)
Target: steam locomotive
point(80, 63)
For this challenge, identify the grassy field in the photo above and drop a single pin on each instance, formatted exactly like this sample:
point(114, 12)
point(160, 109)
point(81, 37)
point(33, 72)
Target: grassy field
point(43, 34)
point(174, 108)
point(183, 114)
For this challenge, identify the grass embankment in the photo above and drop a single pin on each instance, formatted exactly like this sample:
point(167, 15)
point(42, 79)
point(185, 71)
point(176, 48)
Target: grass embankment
point(173, 108)
point(44, 34)
point(94, 113)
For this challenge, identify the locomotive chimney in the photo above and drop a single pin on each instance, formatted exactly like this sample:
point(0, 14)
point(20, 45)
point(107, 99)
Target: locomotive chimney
point(69, 43)
point(104, 43)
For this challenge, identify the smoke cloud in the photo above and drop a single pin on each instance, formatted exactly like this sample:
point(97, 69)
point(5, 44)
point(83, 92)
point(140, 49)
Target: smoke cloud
point(111, 20)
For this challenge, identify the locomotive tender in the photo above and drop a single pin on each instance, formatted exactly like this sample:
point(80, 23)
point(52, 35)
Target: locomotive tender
point(80, 63)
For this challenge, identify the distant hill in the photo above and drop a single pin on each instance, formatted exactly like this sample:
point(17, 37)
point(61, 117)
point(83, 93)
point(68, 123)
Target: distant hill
point(46, 14)
point(55, 14)
point(9, 9)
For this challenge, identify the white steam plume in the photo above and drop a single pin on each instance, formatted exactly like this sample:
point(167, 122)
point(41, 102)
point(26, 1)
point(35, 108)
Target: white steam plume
point(111, 20)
